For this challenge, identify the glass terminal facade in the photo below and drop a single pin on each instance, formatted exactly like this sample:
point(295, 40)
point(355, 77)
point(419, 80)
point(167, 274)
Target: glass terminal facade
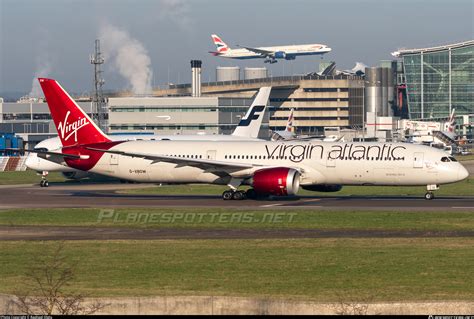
point(440, 79)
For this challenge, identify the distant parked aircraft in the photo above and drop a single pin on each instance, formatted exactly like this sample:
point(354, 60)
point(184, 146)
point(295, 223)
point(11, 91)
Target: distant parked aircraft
point(287, 133)
point(358, 69)
point(270, 54)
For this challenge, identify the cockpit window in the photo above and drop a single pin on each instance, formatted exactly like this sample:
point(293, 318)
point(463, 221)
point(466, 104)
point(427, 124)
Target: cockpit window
point(452, 159)
point(41, 149)
point(445, 159)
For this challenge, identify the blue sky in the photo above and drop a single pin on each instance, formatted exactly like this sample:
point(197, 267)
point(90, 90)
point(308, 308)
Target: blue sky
point(55, 37)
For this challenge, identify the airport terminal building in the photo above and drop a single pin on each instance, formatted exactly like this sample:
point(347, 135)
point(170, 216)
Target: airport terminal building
point(439, 79)
point(179, 115)
point(318, 101)
point(31, 120)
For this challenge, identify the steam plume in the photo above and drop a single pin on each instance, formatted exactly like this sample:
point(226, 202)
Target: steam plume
point(129, 56)
point(43, 69)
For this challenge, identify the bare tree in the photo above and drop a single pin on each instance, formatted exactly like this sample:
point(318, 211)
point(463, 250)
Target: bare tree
point(45, 292)
point(346, 305)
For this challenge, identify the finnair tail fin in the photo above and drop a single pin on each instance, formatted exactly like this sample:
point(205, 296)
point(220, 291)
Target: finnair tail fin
point(222, 48)
point(250, 124)
point(73, 124)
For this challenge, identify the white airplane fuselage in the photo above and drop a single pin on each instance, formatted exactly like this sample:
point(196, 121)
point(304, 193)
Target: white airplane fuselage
point(317, 162)
point(290, 51)
point(53, 144)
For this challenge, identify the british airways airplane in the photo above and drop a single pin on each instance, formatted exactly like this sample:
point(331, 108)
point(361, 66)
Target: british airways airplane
point(270, 54)
point(270, 168)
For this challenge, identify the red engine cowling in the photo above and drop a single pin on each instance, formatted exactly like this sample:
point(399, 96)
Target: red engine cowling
point(278, 181)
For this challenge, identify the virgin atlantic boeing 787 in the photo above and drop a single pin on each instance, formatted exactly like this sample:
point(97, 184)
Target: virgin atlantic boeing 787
point(270, 168)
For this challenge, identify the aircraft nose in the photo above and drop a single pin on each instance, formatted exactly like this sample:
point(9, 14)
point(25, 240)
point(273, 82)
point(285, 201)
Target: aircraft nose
point(31, 161)
point(462, 173)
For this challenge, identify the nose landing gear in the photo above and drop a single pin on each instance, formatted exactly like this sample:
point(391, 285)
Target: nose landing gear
point(429, 194)
point(44, 182)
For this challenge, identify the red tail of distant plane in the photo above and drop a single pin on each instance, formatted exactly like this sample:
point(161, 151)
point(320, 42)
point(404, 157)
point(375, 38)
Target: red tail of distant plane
point(74, 126)
point(221, 46)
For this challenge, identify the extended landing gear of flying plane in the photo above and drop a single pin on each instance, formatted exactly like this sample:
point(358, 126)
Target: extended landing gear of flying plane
point(429, 194)
point(271, 61)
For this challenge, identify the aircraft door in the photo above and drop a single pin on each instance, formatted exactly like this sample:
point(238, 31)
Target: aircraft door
point(114, 159)
point(418, 160)
point(330, 162)
point(211, 154)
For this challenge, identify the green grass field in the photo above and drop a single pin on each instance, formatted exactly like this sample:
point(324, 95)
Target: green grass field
point(378, 269)
point(463, 158)
point(223, 218)
point(320, 269)
point(27, 177)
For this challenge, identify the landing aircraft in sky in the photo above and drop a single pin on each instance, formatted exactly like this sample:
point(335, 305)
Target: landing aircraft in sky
point(270, 54)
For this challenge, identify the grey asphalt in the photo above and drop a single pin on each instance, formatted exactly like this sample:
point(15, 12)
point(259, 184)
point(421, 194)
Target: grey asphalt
point(106, 196)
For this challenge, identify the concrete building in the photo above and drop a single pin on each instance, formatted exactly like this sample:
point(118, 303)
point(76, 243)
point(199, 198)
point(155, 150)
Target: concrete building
point(178, 115)
point(30, 119)
point(318, 101)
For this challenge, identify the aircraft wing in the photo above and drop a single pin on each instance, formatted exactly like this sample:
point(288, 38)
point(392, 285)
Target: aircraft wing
point(210, 165)
point(49, 153)
point(54, 157)
point(260, 51)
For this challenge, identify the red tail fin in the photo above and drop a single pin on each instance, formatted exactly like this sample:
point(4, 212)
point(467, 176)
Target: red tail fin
point(73, 125)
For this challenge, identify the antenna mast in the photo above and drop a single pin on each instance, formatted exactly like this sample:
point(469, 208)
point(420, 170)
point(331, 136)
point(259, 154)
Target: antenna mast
point(99, 109)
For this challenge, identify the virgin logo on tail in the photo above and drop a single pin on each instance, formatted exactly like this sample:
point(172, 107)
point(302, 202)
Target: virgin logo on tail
point(71, 128)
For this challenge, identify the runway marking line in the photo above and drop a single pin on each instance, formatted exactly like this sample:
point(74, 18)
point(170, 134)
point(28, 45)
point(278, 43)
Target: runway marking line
point(272, 205)
point(399, 199)
point(461, 207)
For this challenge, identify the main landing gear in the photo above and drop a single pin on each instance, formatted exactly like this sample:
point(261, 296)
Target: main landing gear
point(44, 182)
point(235, 194)
point(429, 194)
point(230, 194)
point(238, 195)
